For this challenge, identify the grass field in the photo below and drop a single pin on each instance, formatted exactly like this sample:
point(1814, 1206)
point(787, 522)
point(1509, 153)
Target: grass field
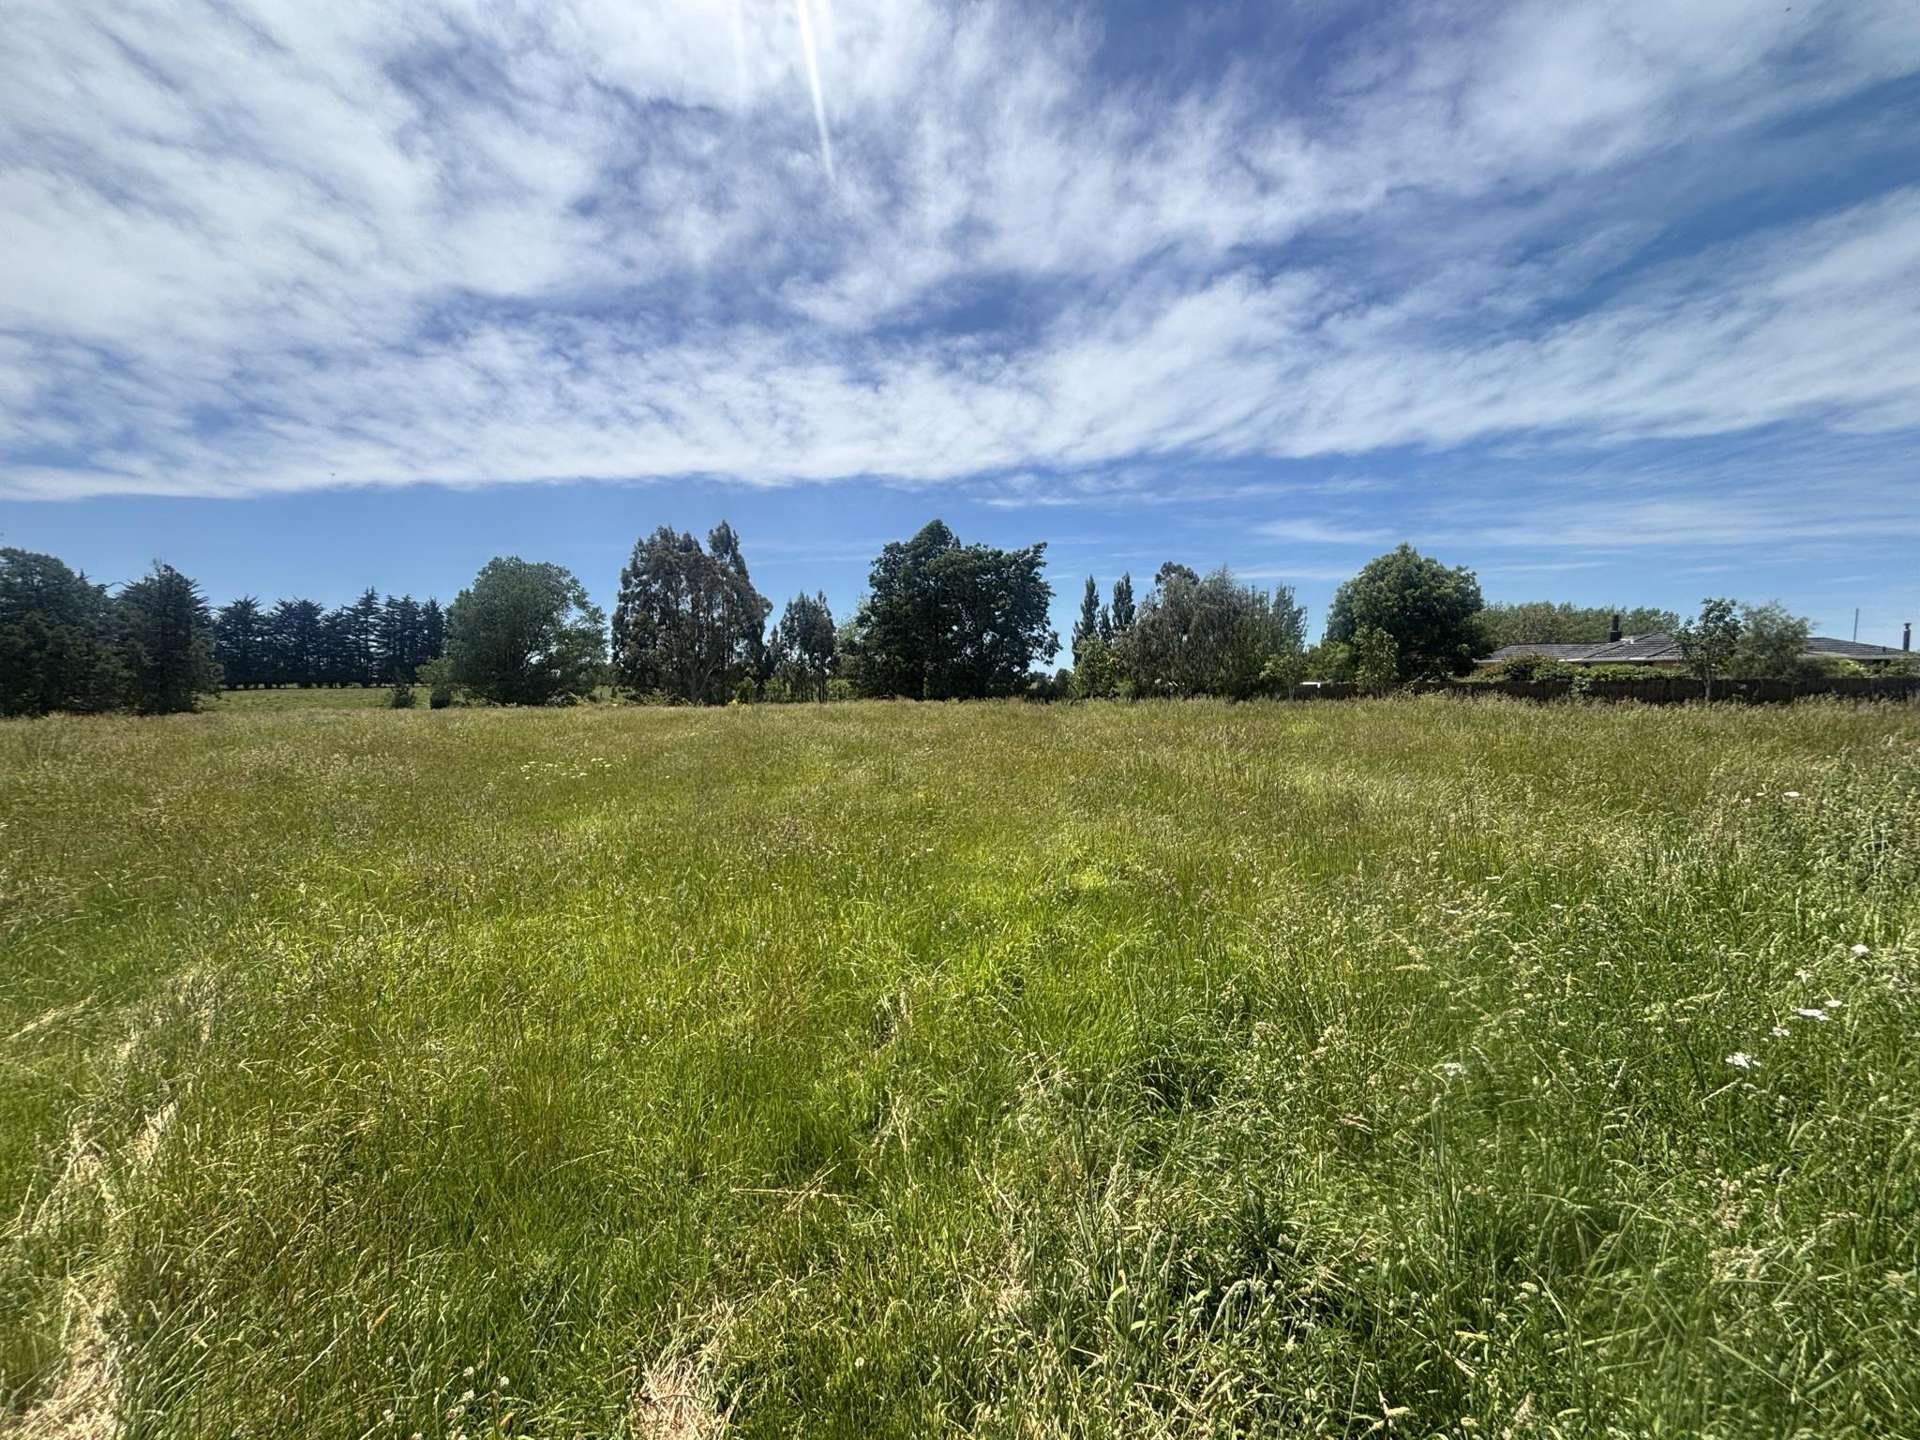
point(344, 697)
point(1390, 1068)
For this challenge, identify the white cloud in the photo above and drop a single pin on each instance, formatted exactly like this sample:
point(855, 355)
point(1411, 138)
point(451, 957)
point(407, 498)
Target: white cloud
point(1319, 532)
point(278, 246)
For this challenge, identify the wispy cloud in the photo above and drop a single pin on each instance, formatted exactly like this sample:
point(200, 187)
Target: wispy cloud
point(1318, 532)
point(266, 247)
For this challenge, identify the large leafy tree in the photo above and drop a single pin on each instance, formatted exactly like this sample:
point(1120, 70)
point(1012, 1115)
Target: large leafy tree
point(57, 649)
point(943, 620)
point(1213, 636)
point(1427, 610)
point(688, 622)
point(242, 643)
point(1773, 643)
point(166, 642)
point(805, 645)
point(525, 634)
point(1709, 642)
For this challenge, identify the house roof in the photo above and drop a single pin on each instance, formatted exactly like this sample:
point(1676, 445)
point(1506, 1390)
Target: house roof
point(1654, 646)
point(1657, 647)
point(1852, 649)
point(1555, 651)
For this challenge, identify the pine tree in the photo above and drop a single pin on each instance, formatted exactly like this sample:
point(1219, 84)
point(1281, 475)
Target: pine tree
point(242, 644)
point(166, 641)
point(397, 641)
point(297, 636)
point(57, 642)
point(337, 647)
point(362, 638)
point(1087, 627)
point(433, 634)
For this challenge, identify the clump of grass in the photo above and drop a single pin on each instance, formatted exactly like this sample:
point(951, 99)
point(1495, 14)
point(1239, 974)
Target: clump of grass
point(892, 1069)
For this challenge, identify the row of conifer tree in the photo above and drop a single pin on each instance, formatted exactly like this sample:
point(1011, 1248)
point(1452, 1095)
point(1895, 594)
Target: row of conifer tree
point(154, 645)
point(371, 641)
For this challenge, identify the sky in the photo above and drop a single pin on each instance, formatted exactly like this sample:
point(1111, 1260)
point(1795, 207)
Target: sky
point(1613, 301)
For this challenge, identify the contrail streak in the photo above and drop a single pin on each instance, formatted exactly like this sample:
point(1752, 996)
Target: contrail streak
point(813, 79)
point(739, 59)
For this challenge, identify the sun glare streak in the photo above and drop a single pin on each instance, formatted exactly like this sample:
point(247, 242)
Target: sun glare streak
point(739, 57)
point(813, 80)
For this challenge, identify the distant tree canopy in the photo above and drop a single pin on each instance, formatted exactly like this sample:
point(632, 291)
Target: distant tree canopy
point(688, 623)
point(298, 642)
point(943, 620)
point(59, 642)
point(1211, 636)
point(525, 634)
point(1424, 609)
point(1542, 622)
point(166, 641)
point(805, 647)
point(1772, 644)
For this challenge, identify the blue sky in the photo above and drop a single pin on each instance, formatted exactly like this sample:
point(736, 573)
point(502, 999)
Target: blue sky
point(1609, 301)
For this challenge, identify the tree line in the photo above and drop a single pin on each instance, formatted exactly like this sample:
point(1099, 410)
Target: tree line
point(68, 644)
point(941, 619)
point(299, 642)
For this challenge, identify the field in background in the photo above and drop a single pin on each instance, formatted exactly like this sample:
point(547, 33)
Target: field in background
point(293, 697)
point(1380, 1068)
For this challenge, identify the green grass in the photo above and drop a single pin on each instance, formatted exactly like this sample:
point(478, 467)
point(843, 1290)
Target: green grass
point(908, 1070)
point(344, 697)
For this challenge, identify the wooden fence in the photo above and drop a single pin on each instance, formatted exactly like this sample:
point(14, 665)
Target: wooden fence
point(1657, 689)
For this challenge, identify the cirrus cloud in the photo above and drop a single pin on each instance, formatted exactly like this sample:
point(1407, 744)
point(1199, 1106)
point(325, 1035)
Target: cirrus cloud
point(262, 247)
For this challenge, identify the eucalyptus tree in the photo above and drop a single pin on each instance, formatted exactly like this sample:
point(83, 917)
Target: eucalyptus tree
point(688, 623)
point(805, 646)
point(943, 620)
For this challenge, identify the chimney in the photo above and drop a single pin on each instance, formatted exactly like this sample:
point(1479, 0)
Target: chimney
point(1613, 631)
point(1906, 636)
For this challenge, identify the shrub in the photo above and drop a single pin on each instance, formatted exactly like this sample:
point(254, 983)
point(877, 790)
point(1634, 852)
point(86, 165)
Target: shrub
point(401, 696)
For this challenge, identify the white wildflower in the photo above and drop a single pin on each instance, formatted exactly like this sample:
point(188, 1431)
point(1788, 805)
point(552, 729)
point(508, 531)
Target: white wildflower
point(1860, 952)
point(1833, 1004)
point(1791, 794)
point(1452, 1069)
point(1780, 1031)
point(1740, 1060)
point(1809, 1012)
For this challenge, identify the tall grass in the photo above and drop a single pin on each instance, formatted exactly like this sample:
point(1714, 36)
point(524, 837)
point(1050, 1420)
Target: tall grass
point(904, 1070)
